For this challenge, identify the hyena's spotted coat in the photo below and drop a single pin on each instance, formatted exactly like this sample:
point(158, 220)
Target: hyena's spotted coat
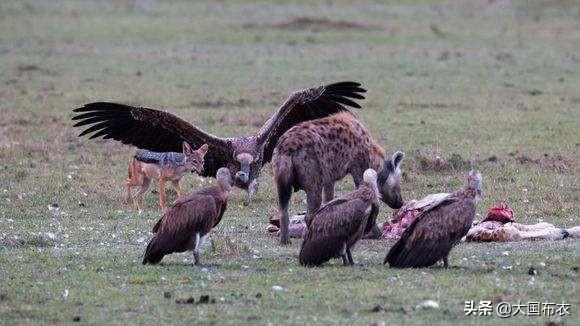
point(313, 155)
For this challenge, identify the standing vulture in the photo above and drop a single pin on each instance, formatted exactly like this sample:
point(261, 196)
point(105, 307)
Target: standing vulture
point(433, 234)
point(161, 131)
point(339, 224)
point(189, 220)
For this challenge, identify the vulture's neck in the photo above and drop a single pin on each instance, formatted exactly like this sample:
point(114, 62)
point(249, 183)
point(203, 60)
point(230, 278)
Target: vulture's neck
point(224, 189)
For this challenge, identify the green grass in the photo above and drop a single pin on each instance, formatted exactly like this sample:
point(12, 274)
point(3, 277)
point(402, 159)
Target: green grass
point(468, 77)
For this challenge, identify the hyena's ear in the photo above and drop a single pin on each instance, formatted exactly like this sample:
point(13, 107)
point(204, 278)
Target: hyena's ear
point(203, 150)
point(187, 149)
point(398, 159)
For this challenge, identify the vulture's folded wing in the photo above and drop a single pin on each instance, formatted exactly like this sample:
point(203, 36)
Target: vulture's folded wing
point(179, 223)
point(338, 219)
point(150, 129)
point(308, 104)
point(432, 234)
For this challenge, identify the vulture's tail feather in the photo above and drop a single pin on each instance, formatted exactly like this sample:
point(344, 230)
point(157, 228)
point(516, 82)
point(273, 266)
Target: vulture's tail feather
point(316, 253)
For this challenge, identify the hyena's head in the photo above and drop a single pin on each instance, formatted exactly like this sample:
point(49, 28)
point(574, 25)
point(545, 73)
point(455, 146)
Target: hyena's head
point(194, 158)
point(389, 181)
point(243, 175)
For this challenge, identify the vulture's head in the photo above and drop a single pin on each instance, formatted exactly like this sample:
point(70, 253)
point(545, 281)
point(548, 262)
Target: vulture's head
point(243, 175)
point(370, 176)
point(389, 181)
point(194, 158)
point(474, 181)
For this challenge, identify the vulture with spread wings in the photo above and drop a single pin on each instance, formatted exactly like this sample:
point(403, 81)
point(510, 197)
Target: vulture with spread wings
point(431, 236)
point(162, 131)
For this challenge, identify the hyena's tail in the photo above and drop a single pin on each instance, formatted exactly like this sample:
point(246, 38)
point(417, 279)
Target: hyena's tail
point(284, 177)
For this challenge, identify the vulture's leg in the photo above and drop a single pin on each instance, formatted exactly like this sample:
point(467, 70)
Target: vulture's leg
point(144, 186)
point(328, 194)
point(198, 241)
point(445, 262)
point(162, 195)
point(176, 184)
point(344, 255)
point(252, 188)
point(349, 256)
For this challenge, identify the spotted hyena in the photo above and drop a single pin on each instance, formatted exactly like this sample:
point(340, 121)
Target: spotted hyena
point(315, 154)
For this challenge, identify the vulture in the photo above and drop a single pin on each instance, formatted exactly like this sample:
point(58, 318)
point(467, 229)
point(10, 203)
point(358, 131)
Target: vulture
point(189, 220)
point(432, 235)
point(161, 131)
point(337, 225)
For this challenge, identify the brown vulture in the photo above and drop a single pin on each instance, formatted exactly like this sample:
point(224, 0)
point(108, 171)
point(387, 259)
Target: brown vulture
point(339, 224)
point(189, 220)
point(161, 131)
point(432, 235)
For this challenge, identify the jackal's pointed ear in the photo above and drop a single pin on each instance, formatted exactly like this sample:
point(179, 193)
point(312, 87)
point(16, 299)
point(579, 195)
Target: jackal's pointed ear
point(203, 150)
point(398, 159)
point(187, 149)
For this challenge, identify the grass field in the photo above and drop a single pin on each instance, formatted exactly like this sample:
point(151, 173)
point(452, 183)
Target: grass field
point(471, 78)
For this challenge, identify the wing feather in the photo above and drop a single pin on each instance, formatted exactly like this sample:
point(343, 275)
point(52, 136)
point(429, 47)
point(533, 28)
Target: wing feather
point(433, 234)
point(150, 129)
point(308, 104)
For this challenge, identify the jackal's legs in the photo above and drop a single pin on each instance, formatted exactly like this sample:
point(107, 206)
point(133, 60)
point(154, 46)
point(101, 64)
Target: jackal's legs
point(176, 184)
point(133, 180)
point(162, 195)
point(144, 186)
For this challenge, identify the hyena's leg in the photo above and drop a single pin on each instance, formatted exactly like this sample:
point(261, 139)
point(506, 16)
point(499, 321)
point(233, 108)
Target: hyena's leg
point(144, 186)
point(328, 194)
point(313, 202)
point(284, 188)
point(177, 185)
point(446, 262)
point(357, 177)
point(162, 195)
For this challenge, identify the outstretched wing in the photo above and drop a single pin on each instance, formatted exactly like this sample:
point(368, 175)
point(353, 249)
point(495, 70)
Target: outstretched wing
point(150, 129)
point(304, 105)
point(432, 235)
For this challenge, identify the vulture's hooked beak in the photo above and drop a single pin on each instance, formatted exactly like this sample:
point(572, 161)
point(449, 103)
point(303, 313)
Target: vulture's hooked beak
point(244, 174)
